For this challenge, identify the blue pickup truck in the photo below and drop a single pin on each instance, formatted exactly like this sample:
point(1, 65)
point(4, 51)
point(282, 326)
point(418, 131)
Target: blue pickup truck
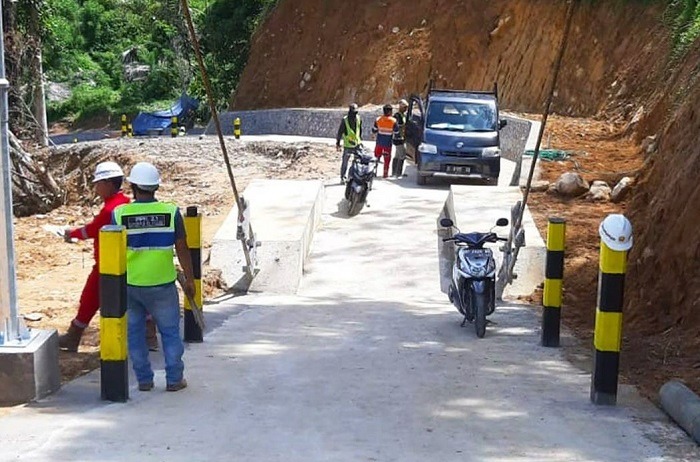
point(455, 134)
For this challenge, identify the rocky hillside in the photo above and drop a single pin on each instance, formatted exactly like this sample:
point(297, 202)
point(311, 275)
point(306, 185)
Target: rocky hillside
point(310, 53)
point(617, 69)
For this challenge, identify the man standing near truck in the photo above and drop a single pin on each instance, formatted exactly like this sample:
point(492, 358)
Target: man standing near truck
point(385, 127)
point(350, 131)
point(399, 140)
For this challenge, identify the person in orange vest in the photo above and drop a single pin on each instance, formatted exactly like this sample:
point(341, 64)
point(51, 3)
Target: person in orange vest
point(385, 127)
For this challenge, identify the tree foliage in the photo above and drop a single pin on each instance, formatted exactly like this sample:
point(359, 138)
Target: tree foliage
point(87, 44)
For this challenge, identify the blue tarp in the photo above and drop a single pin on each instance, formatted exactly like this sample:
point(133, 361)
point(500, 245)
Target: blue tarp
point(149, 122)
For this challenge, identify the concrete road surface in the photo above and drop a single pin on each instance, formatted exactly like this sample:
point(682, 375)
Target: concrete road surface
point(367, 363)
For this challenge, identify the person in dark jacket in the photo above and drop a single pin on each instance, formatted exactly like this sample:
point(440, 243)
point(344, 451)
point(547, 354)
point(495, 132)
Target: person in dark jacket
point(350, 132)
point(399, 140)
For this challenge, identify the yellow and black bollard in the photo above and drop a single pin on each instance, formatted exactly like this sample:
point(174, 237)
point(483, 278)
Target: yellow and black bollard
point(173, 127)
point(553, 282)
point(616, 240)
point(130, 131)
point(124, 128)
point(114, 373)
point(237, 127)
point(193, 228)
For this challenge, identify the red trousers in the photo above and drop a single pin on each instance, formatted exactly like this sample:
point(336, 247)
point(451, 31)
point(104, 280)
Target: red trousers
point(89, 299)
point(385, 151)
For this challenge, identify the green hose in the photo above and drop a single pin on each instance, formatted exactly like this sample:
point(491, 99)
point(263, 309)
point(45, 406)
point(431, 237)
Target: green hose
point(550, 155)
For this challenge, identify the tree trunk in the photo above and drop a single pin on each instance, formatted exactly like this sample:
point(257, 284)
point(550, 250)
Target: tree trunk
point(37, 78)
point(34, 190)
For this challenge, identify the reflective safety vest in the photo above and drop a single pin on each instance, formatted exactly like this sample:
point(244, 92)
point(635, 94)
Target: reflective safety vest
point(150, 238)
point(351, 138)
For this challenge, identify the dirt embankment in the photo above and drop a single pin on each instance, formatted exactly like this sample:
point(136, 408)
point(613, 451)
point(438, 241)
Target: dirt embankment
point(376, 52)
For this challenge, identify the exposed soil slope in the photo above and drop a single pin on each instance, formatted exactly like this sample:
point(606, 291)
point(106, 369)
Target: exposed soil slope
point(616, 69)
point(374, 52)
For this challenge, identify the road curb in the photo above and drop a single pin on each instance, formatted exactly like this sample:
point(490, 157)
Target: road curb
point(683, 405)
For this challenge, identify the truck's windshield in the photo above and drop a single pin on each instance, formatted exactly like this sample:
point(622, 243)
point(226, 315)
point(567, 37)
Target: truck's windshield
point(462, 116)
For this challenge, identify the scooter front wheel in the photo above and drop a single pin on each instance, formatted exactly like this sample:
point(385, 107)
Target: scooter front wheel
point(356, 204)
point(480, 314)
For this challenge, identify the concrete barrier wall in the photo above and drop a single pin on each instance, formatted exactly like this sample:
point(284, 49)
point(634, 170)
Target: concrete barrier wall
point(476, 208)
point(284, 215)
point(446, 250)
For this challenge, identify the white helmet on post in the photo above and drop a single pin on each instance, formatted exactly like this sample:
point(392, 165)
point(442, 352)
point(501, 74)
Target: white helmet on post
point(616, 232)
point(144, 175)
point(105, 170)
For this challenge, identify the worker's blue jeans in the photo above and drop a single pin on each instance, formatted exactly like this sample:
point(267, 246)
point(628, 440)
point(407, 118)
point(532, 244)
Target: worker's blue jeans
point(163, 304)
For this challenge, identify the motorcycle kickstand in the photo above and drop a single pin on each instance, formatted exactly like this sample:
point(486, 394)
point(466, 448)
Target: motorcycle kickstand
point(464, 322)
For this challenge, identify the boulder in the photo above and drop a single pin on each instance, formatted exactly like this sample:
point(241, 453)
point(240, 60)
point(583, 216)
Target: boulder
point(622, 189)
point(539, 186)
point(571, 184)
point(599, 192)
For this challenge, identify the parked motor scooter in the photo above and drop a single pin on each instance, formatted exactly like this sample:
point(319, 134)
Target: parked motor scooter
point(362, 173)
point(473, 286)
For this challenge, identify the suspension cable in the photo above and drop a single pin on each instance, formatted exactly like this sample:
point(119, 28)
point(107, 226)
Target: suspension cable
point(217, 124)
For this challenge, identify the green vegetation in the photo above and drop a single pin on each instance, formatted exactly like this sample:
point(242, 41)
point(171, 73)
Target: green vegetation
point(686, 24)
point(124, 56)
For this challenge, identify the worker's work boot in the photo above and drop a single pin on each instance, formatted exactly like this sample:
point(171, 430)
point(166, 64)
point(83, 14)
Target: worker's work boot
point(71, 339)
point(151, 338)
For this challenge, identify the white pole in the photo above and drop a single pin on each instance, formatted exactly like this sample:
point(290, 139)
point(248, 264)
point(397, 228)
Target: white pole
point(8, 279)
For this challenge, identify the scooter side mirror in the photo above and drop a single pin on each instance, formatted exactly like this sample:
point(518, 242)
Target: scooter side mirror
point(446, 223)
point(502, 222)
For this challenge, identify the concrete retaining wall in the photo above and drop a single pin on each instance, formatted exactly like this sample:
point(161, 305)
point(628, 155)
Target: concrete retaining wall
point(324, 123)
point(284, 215)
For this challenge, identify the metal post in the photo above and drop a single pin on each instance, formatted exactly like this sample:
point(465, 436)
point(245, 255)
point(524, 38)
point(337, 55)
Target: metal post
point(193, 228)
point(8, 278)
point(114, 365)
point(237, 128)
point(553, 282)
point(607, 337)
point(173, 127)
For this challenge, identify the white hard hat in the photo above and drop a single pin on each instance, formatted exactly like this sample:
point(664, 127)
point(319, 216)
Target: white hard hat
point(105, 170)
point(403, 102)
point(616, 232)
point(144, 174)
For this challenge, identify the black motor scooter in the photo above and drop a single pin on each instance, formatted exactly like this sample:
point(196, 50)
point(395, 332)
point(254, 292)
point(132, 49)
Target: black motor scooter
point(362, 173)
point(473, 286)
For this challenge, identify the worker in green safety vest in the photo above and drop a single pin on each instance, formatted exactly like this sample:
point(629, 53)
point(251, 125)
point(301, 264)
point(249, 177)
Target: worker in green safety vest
point(350, 132)
point(153, 230)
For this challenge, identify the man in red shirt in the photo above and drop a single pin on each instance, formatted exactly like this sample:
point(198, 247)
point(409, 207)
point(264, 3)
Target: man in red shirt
point(108, 183)
point(384, 126)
